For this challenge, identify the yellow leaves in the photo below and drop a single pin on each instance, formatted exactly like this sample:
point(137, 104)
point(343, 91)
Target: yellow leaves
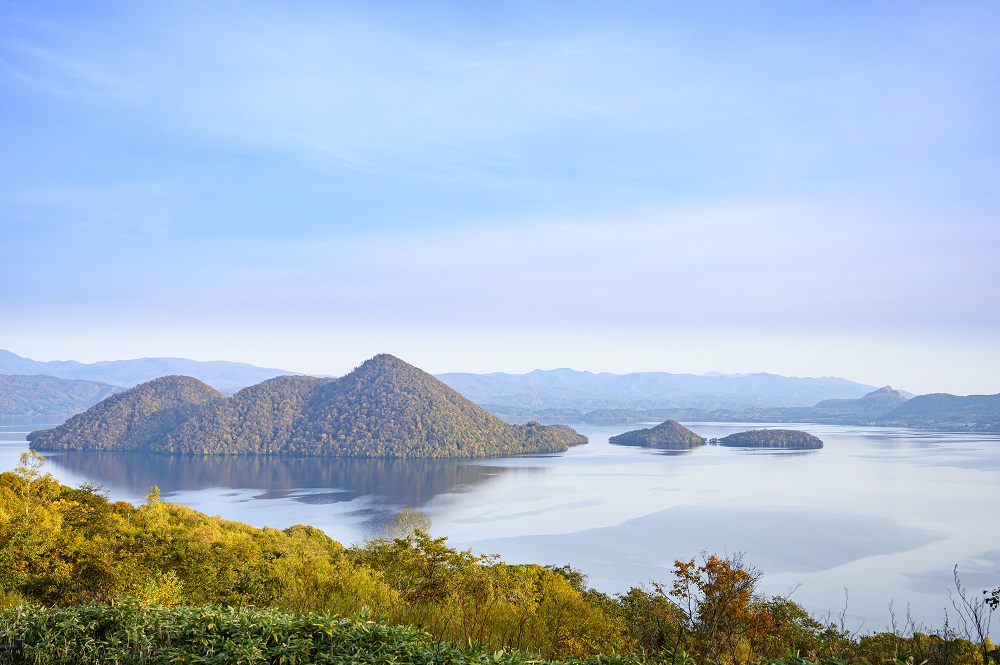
point(159, 588)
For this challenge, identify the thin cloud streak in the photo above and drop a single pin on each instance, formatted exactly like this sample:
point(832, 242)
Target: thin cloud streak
point(769, 269)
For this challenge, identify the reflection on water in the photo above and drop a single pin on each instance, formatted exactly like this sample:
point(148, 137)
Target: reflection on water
point(13, 432)
point(394, 482)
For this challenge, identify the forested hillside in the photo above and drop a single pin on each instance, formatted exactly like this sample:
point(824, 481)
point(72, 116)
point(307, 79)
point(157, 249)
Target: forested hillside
point(28, 395)
point(135, 419)
point(384, 408)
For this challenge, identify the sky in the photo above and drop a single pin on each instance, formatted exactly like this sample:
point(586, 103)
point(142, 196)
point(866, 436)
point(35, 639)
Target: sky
point(809, 189)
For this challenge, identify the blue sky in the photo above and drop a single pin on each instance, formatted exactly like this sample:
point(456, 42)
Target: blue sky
point(800, 188)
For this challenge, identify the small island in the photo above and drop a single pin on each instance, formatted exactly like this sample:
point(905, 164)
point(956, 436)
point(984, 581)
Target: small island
point(772, 438)
point(670, 435)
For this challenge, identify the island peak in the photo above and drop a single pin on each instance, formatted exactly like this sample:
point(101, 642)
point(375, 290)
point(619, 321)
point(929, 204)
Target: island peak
point(384, 408)
point(670, 435)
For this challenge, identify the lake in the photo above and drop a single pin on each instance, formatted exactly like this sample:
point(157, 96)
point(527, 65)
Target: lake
point(885, 513)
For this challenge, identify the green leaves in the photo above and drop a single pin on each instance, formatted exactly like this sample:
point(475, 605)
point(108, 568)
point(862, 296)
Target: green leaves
point(129, 633)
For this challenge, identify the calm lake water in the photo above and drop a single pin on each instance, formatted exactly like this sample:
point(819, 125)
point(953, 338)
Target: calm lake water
point(885, 513)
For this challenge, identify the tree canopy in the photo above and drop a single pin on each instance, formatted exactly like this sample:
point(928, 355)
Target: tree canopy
point(772, 438)
point(670, 434)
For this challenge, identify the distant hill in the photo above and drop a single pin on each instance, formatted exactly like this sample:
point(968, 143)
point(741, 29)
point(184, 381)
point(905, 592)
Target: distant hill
point(772, 438)
point(524, 395)
point(866, 410)
point(670, 434)
point(40, 395)
point(384, 408)
point(222, 375)
point(878, 401)
point(944, 411)
point(885, 406)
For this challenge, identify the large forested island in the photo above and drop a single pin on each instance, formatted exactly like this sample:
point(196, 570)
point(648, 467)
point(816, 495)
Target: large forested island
point(772, 438)
point(670, 435)
point(384, 408)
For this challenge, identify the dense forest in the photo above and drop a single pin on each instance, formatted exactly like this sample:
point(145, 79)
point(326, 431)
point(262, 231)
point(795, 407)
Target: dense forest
point(84, 579)
point(670, 434)
point(384, 408)
point(772, 438)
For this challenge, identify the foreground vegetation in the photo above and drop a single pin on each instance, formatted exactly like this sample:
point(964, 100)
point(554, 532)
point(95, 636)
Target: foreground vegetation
point(129, 632)
point(83, 579)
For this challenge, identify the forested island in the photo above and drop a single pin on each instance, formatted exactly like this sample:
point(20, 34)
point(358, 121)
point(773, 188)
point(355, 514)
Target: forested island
point(384, 408)
point(772, 438)
point(670, 435)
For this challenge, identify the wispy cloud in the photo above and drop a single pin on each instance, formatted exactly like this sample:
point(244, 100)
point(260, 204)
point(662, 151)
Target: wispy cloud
point(62, 74)
point(540, 170)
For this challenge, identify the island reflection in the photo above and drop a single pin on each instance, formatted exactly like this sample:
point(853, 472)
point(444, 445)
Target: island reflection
point(403, 482)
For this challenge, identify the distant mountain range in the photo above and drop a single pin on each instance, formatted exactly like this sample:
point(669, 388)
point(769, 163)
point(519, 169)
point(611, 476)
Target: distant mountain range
point(224, 376)
point(518, 397)
point(521, 395)
point(882, 407)
point(549, 396)
point(944, 411)
point(384, 408)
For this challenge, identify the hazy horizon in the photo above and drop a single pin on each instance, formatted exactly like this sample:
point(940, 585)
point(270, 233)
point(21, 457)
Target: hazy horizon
point(782, 188)
point(537, 369)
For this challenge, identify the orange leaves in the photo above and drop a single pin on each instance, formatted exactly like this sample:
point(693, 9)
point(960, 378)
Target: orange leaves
point(716, 598)
point(717, 587)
